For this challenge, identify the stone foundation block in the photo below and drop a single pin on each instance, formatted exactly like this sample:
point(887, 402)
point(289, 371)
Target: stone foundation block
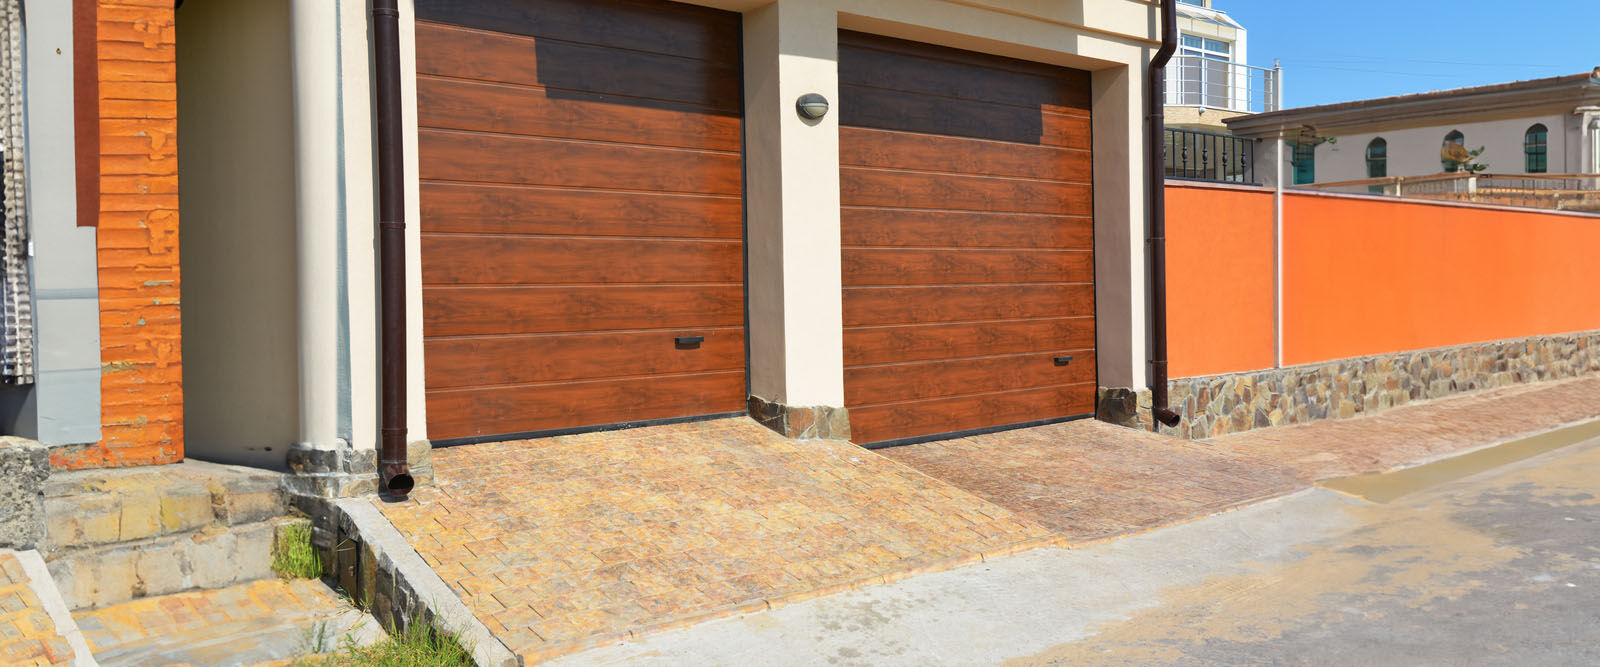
point(24, 466)
point(820, 422)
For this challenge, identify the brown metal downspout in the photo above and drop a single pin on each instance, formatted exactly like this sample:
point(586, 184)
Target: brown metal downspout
point(393, 472)
point(1156, 180)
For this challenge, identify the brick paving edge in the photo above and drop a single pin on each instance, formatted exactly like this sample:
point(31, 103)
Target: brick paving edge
point(55, 606)
point(406, 568)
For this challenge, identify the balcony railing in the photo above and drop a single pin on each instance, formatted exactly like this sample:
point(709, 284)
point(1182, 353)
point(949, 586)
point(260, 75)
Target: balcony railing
point(1194, 81)
point(1564, 192)
point(1206, 156)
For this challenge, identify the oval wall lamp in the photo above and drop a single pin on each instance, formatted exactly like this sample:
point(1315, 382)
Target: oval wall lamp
point(811, 106)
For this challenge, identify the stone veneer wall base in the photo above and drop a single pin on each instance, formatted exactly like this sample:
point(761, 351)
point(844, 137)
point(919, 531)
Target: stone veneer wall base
point(1221, 404)
point(801, 422)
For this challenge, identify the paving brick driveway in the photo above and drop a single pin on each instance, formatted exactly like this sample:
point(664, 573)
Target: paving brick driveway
point(560, 543)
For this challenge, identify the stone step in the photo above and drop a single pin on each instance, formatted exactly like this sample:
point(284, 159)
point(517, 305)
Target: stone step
point(89, 508)
point(217, 557)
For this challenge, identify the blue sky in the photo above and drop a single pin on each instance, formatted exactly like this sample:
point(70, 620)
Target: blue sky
point(1357, 49)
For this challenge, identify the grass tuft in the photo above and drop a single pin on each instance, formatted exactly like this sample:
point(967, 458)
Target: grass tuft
point(293, 555)
point(419, 645)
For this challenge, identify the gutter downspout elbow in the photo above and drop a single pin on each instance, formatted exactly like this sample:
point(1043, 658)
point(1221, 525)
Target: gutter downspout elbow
point(394, 473)
point(1156, 205)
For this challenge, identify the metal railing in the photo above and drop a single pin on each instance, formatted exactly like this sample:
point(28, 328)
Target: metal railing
point(1195, 81)
point(1563, 192)
point(1207, 156)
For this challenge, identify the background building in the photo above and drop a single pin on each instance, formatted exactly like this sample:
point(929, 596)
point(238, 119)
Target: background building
point(1210, 78)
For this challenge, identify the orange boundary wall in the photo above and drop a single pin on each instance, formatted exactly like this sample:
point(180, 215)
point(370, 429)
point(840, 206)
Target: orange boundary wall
point(1368, 276)
point(1365, 276)
point(1219, 277)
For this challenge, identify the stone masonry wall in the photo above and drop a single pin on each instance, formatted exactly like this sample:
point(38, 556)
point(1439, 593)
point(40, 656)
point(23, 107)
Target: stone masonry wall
point(141, 353)
point(1218, 405)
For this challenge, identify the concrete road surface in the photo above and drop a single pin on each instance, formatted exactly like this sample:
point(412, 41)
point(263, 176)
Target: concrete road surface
point(1495, 567)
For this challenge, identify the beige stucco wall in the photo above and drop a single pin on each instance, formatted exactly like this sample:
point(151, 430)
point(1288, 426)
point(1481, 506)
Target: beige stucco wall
point(1415, 151)
point(238, 243)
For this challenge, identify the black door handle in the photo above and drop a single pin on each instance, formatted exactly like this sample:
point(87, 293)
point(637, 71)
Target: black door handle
point(688, 342)
point(1062, 361)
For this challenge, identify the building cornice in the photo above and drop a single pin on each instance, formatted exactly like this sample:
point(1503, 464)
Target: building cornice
point(1506, 100)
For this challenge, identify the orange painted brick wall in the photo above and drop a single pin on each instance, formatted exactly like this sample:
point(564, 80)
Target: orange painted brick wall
point(1219, 280)
point(141, 381)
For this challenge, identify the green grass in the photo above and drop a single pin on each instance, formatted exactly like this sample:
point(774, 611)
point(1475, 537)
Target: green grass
point(293, 555)
point(419, 645)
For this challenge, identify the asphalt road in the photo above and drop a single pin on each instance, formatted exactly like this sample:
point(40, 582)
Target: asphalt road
point(1501, 567)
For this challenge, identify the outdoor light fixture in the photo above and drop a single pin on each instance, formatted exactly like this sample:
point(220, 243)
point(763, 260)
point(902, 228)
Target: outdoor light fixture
point(811, 106)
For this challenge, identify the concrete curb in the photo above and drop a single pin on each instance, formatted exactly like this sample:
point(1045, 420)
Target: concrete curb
point(44, 588)
point(401, 585)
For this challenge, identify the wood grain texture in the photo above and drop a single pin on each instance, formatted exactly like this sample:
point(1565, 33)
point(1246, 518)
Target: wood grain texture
point(538, 112)
point(868, 306)
point(862, 147)
point(894, 383)
point(968, 239)
point(478, 361)
point(581, 208)
point(918, 266)
point(944, 415)
point(918, 342)
point(888, 227)
point(673, 29)
point(457, 259)
point(577, 69)
point(462, 413)
point(476, 208)
point(494, 158)
point(479, 311)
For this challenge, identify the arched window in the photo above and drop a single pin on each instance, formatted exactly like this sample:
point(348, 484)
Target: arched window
point(1457, 138)
point(1535, 148)
point(1377, 158)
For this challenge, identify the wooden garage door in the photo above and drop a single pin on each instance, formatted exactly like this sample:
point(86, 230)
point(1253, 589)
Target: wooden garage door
point(968, 240)
point(581, 212)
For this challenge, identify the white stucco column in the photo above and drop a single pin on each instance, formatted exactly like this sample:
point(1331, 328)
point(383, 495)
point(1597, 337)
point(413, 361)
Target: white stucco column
point(1119, 228)
point(314, 54)
point(792, 194)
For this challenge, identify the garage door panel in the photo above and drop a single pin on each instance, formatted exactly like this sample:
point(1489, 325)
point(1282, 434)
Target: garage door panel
point(478, 361)
point(512, 209)
point(465, 413)
point(863, 147)
point(889, 227)
point(685, 31)
point(581, 204)
point(496, 158)
point(932, 417)
point(893, 383)
point(566, 66)
point(517, 260)
point(865, 306)
point(470, 311)
point(860, 106)
point(893, 65)
point(860, 186)
point(919, 342)
point(921, 266)
point(492, 107)
point(968, 239)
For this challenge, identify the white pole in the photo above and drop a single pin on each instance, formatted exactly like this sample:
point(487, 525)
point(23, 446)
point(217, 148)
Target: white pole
point(315, 118)
point(1277, 253)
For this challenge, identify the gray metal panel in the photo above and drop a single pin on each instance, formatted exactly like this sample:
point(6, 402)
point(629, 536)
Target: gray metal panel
point(67, 395)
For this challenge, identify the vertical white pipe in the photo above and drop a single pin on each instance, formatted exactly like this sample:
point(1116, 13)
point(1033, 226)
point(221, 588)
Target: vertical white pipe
point(1277, 254)
point(312, 57)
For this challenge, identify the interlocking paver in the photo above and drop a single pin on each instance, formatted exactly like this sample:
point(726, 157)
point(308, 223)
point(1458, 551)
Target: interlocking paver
point(28, 636)
point(1092, 480)
point(255, 622)
point(561, 542)
point(1411, 433)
